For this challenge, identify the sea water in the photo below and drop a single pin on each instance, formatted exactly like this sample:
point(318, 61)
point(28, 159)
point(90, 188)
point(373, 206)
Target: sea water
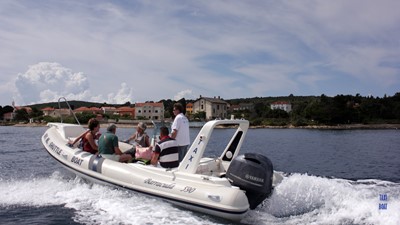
point(331, 177)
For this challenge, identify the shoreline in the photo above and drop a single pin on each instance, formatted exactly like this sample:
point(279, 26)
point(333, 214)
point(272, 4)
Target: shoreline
point(321, 127)
point(337, 127)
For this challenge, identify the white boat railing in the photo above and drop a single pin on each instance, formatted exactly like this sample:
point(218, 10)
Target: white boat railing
point(71, 111)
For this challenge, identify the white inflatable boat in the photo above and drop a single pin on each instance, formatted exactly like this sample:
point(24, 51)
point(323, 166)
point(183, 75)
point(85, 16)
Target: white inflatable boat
point(226, 186)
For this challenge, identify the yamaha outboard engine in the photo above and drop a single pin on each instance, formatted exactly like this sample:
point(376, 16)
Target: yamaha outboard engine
point(253, 173)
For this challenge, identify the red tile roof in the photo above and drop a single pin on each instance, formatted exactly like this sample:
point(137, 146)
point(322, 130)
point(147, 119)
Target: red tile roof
point(154, 104)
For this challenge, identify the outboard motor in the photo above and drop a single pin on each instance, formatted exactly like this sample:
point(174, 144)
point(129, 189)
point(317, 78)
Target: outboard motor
point(252, 173)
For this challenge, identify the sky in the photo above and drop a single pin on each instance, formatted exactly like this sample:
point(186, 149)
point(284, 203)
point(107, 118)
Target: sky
point(137, 51)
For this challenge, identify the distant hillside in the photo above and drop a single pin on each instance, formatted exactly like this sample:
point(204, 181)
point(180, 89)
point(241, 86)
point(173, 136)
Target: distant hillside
point(306, 110)
point(76, 104)
point(265, 100)
point(268, 100)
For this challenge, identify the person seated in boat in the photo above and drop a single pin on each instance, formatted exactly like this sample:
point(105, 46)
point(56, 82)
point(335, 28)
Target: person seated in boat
point(88, 137)
point(140, 137)
point(108, 146)
point(166, 150)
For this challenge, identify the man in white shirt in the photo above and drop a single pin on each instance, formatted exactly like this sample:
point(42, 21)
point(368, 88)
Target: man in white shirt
point(180, 130)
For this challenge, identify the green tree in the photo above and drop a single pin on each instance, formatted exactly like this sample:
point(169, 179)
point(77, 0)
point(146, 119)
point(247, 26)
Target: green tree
point(199, 115)
point(277, 113)
point(342, 109)
point(35, 113)
point(183, 102)
point(83, 117)
point(168, 107)
point(5, 109)
point(21, 115)
point(259, 109)
point(319, 110)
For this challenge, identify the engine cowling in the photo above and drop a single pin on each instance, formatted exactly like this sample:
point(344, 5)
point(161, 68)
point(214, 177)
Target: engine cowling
point(252, 173)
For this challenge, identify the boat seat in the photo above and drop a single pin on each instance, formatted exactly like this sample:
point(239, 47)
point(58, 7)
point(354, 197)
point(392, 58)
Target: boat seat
point(210, 167)
point(125, 147)
point(68, 131)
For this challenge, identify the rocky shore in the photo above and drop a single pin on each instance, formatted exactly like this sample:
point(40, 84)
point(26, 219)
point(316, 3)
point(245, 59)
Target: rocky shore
point(338, 127)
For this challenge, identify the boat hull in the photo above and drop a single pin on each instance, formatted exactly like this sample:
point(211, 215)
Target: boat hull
point(206, 194)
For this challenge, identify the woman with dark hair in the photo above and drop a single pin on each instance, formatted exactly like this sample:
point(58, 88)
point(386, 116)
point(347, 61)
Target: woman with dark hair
point(88, 137)
point(88, 143)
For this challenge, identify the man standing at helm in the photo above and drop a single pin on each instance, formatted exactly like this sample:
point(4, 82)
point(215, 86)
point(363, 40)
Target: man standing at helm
point(180, 130)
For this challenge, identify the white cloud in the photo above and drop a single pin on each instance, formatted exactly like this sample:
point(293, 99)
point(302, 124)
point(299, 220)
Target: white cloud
point(46, 81)
point(212, 48)
point(187, 94)
point(123, 95)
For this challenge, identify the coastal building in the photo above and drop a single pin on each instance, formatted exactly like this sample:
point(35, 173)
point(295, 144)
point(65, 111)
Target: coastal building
point(47, 111)
point(53, 112)
point(213, 107)
point(10, 116)
point(246, 106)
point(234, 108)
point(149, 110)
point(109, 110)
point(189, 108)
point(286, 106)
point(56, 112)
point(93, 110)
point(62, 112)
point(126, 112)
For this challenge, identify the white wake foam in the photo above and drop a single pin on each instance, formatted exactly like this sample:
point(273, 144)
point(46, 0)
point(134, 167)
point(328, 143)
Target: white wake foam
point(299, 199)
point(94, 204)
point(305, 199)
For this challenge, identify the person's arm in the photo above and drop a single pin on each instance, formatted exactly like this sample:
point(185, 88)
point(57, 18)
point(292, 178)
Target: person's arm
point(154, 158)
point(117, 150)
point(78, 138)
point(130, 138)
point(174, 133)
point(175, 127)
point(147, 140)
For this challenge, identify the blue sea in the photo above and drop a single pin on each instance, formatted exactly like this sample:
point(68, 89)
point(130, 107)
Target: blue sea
point(331, 177)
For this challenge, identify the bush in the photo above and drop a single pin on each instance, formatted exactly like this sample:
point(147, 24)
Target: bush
point(299, 122)
point(256, 122)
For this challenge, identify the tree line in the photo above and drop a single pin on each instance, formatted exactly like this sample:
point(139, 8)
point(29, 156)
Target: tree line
point(306, 110)
point(324, 110)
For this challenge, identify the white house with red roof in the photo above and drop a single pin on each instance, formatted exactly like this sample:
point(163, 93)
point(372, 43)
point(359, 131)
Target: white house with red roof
point(213, 107)
point(126, 111)
point(110, 110)
point(286, 106)
point(11, 115)
point(150, 110)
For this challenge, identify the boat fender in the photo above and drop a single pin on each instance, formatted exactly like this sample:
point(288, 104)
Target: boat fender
point(96, 163)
